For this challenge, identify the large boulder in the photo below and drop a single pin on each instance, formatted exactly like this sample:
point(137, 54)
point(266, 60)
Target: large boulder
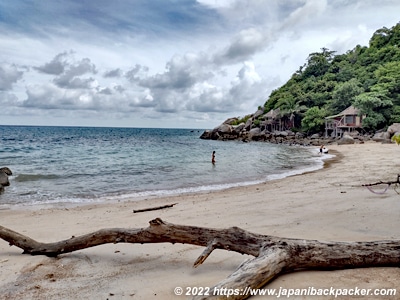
point(255, 134)
point(248, 124)
point(231, 121)
point(6, 170)
point(381, 136)
point(346, 139)
point(238, 128)
point(4, 179)
point(206, 135)
point(258, 113)
point(395, 127)
point(281, 134)
point(223, 128)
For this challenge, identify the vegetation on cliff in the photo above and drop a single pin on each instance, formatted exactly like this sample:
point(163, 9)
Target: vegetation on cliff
point(366, 77)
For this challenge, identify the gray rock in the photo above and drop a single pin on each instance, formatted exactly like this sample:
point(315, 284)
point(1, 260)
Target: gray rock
point(258, 113)
point(231, 121)
point(248, 124)
point(395, 127)
point(254, 131)
point(381, 136)
point(224, 128)
point(314, 136)
point(281, 134)
point(4, 179)
point(237, 129)
point(6, 170)
point(206, 135)
point(346, 140)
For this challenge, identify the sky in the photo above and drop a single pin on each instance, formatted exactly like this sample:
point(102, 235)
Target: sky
point(165, 63)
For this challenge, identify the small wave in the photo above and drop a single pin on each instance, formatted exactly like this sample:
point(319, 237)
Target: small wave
point(217, 187)
point(179, 191)
point(35, 177)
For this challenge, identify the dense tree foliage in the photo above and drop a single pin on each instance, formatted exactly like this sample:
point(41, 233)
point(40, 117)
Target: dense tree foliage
point(365, 77)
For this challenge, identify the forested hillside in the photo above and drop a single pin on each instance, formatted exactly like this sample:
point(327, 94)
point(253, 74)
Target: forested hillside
point(365, 77)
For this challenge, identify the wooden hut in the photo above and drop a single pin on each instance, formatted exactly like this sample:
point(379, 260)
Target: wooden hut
point(347, 121)
point(272, 121)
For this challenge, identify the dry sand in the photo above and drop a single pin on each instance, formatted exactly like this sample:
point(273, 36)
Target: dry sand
point(328, 204)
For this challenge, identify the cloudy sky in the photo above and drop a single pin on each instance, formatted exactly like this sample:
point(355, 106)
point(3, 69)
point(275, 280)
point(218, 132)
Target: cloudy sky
point(164, 63)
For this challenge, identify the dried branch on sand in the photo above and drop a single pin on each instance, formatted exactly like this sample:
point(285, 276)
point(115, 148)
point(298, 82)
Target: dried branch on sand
point(272, 255)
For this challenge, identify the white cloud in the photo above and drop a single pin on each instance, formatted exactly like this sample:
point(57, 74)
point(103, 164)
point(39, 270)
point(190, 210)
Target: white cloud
point(146, 63)
point(310, 10)
point(56, 66)
point(244, 45)
point(9, 75)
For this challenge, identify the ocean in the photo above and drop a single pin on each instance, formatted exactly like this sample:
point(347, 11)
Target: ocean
point(80, 165)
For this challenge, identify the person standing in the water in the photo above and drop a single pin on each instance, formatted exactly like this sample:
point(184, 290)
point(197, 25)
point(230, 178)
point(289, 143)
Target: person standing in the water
point(213, 157)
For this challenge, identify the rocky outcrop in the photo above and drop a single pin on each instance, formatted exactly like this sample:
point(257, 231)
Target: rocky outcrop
point(254, 129)
point(4, 173)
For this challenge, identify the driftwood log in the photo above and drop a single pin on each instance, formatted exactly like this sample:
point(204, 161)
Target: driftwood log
point(153, 208)
point(272, 255)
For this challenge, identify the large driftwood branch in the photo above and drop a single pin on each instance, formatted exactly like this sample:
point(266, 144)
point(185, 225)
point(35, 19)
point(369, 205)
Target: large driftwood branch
point(272, 255)
point(388, 183)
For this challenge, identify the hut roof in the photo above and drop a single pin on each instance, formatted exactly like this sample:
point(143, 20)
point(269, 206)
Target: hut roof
point(272, 114)
point(351, 110)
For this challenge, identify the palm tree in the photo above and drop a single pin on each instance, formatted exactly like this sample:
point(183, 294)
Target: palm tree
point(290, 109)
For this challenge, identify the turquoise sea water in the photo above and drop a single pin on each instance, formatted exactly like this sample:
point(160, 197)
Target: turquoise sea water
point(53, 165)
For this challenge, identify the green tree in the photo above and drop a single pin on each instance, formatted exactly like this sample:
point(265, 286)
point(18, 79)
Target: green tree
point(343, 95)
point(318, 63)
point(380, 38)
point(333, 82)
point(395, 115)
point(314, 119)
point(375, 105)
point(389, 80)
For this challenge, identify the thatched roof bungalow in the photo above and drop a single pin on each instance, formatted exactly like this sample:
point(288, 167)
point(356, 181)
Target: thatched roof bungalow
point(272, 120)
point(347, 121)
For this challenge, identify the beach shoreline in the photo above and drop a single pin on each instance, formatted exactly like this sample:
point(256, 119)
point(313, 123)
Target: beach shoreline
point(320, 162)
point(327, 204)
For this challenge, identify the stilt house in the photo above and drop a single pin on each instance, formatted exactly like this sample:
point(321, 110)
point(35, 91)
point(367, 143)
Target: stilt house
point(348, 120)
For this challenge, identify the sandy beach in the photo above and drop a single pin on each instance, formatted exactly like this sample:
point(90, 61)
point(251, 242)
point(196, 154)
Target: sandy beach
point(329, 204)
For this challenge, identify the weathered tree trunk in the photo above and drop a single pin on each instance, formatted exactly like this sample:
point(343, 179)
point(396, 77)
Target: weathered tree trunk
point(272, 255)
